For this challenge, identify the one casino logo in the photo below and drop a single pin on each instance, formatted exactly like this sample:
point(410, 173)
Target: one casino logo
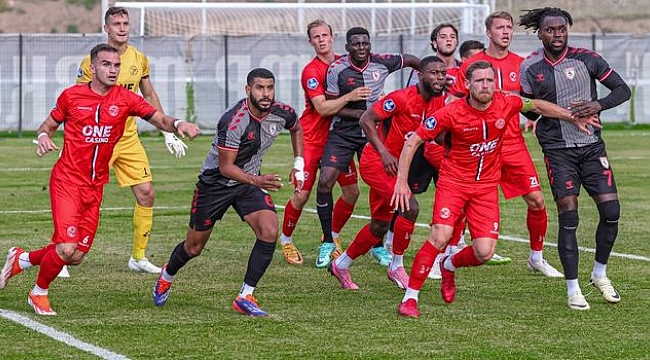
point(312, 83)
point(389, 105)
point(96, 134)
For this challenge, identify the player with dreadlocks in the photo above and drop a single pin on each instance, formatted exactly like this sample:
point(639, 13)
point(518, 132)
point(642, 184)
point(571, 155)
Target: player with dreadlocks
point(567, 76)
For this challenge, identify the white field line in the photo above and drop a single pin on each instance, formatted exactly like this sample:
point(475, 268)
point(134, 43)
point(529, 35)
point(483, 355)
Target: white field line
point(60, 336)
point(362, 217)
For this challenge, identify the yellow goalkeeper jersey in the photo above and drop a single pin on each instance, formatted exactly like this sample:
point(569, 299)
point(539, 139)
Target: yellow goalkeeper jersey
point(134, 67)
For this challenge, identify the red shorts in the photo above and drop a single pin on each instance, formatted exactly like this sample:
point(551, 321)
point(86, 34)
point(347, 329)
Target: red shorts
point(75, 213)
point(381, 185)
point(480, 205)
point(312, 155)
point(518, 173)
point(434, 154)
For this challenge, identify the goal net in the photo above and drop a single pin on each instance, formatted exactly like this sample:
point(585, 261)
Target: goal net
point(189, 19)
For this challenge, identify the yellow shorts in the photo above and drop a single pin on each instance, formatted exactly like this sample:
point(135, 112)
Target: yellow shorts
point(130, 162)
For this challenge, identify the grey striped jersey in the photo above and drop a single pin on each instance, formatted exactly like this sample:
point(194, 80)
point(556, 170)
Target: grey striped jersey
point(238, 130)
point(571, 78)
point(343, 77)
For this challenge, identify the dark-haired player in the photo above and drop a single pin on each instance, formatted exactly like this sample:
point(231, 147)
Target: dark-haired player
point(567, 76)
point(95, 116)
point(402, 111)
point(360, 67)
point(231, 176)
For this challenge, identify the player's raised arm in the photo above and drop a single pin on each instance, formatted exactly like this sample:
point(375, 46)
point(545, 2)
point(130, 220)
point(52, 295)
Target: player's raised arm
point(554, 111)
point(411, 61)
point(331, 106)
point(171, 124)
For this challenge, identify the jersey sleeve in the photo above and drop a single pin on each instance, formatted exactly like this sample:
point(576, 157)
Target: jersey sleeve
point(312, 82)
point(138, 106)
point(60, 111)
point(83, 73)
point(288, 114)
point(145, 66)
point(332, 87)
point(389, 106)
point(231, 128)
point(515, 104)
point(598, 67)
point(458, 89)
point(392, 62)
point(433, 125)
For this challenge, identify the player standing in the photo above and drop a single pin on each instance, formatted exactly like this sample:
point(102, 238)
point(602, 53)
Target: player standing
point(567, 76)
point(231, 176)
point(130, 160)
point(469, 177)
point(358, 68)
point(315, 121)
point(519, 173)
point(402, 111)
point(95, 116)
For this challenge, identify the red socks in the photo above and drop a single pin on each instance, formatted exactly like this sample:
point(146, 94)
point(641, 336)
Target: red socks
point(402, 232)
point(537, 222)
point(422, 265)
point(51, 265)
point(341, 214)
point(36, 256)
point(465, 258)
point(290, 219)
point(362, 243)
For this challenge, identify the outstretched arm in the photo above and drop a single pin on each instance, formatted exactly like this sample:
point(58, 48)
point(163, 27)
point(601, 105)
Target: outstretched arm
point(175, 145)
point(331, 106)
point(172, 124)
point(45, 132)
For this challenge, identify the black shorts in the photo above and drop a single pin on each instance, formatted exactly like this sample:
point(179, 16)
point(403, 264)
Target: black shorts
point(587, 166)
point(340, 150)
point(421, 172)
point(210, 202)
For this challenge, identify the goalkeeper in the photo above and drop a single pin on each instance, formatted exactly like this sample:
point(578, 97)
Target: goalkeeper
point(129, 158)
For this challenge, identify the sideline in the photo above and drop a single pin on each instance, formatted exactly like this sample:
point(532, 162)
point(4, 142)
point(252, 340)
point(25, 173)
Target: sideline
point(60, 336)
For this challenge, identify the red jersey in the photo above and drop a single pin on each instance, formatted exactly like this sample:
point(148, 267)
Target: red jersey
point(507, 80)
point(407, 110)
point(453, 76)
point(93, 125)
point(314, 81)
point(476, 138)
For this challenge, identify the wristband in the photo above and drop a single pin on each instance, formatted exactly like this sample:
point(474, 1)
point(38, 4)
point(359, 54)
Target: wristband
point(41, 135)
point(176, 122)
point(299, 163)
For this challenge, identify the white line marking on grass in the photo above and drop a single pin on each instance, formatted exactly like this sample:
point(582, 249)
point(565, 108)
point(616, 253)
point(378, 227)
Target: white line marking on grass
point(362, 217)
point(60, 336)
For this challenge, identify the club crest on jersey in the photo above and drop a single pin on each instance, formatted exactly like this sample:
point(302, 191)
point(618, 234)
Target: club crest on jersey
point(389, 105)
point(312, 83)
point(604, 162)
point(133, 70)
point(273, 129)
point(113, 110)
point(71, 231)
point(500, 123)
point(570, 73)
point(375, 75)
point(445, 213)
point(513, 76)
point(430, 123)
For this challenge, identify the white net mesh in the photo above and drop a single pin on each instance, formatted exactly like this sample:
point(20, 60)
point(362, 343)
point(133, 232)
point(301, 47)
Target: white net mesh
point(188, 19)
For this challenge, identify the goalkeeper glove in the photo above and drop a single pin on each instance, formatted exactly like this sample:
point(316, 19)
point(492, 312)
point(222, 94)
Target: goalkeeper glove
point(174, 145)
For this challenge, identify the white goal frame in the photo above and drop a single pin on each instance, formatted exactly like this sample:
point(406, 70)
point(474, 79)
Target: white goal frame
point(471, 21)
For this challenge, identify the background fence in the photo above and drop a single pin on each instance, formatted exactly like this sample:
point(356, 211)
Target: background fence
point(200, 77)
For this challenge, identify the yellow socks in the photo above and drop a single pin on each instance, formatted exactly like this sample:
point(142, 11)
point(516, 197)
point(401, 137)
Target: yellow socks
point(142, 223)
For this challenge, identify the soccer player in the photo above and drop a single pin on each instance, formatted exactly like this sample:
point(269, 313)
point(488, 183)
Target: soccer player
point(95, 116)
point(469, 176)
point(469, 48)
point(520, 177)
point(358, 68)
point(443, 41)
point(130, 160)
point(231, 176)
point(567, 76)
point(315, 122)
point(403, 110)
